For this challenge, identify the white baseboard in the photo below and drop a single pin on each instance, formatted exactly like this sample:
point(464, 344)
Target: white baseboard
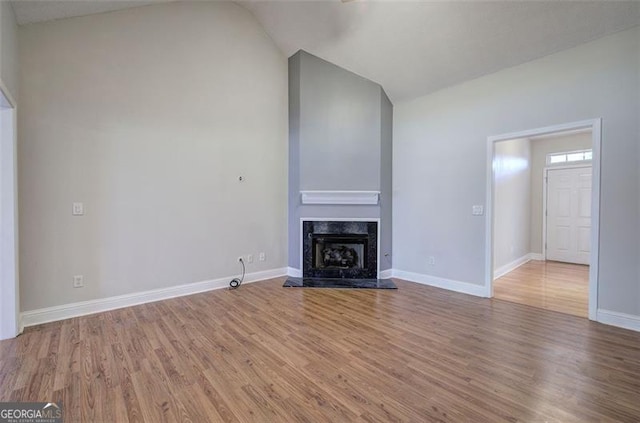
point(293, 272)
point(386, 274)
point(510, 267)
point(621, 320)
point(66, 311)
point(457, 286)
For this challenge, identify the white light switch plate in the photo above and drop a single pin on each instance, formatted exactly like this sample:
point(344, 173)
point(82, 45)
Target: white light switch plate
point(477, 210)
point(78, 209)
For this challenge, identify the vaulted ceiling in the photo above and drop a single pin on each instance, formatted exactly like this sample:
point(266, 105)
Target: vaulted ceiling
point(415, 48)
point(411, 48)
point(32, 11)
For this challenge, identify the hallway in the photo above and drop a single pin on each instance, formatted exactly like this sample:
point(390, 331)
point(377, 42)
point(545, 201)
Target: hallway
point(550, 285)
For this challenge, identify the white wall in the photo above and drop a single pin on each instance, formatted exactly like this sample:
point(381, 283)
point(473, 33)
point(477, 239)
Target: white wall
point(440, 144)
point(512, 201)
point(539, 150)
point(149, 116)
point(8, 49)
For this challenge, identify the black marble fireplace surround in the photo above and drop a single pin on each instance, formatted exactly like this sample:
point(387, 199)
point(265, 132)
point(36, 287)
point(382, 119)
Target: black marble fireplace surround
point(339, 249)
point(339, 254)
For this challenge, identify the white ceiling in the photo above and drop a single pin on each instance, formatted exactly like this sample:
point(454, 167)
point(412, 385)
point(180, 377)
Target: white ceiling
point(414, 48)
point(31, 11)
point(411, 48)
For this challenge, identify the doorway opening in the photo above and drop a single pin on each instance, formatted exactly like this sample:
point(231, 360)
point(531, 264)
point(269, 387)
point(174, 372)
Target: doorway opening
point(9, 308)
point(543, 215)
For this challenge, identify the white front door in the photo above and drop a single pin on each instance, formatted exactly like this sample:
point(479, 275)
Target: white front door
point(569, 215)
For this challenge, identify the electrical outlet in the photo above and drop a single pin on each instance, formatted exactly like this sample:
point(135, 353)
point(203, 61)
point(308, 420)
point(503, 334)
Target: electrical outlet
point(249, 258)
point(240, 259)
point(78, 281)
point(431, 260)
point(262, 257)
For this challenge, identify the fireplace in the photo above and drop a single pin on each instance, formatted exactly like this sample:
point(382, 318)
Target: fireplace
point(340, 249)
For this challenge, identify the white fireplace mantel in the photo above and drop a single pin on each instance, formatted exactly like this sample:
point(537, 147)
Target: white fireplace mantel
point(340, 197)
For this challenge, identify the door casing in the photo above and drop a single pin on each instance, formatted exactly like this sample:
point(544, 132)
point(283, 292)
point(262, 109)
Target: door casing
point(595, 126)
point(9, 288)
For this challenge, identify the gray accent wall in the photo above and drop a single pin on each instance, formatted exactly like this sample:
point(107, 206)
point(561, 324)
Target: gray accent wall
point(293, 218)
point(339, 128)
point(339, 139)
point(386, 193)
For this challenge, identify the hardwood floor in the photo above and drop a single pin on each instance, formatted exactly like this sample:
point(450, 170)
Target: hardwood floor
point(263, 353)
point(551, 285)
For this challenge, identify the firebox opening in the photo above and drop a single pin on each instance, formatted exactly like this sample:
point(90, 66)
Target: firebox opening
point(340, 251)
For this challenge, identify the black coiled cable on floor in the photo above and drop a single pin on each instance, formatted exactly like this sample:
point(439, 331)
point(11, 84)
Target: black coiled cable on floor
point(235, 282)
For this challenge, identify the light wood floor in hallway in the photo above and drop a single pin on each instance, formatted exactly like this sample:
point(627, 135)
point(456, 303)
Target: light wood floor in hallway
point(551, 285)
point(263, 353)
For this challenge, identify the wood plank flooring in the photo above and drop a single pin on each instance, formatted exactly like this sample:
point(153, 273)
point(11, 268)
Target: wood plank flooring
point(264, 353)
point(551, 285)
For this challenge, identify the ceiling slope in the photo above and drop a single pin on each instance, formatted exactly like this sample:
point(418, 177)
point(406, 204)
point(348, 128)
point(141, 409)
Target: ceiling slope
point(414, 48)
point(32, 11)
point(411, 48)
